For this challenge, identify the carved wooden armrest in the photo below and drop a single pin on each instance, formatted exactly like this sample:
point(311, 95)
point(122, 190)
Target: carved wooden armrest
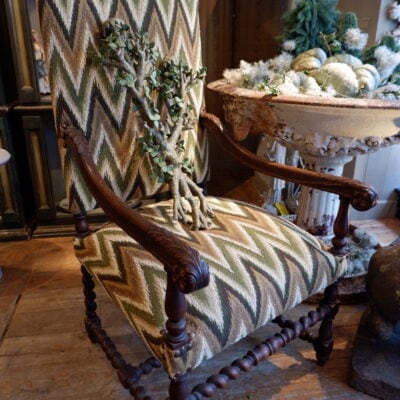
point(361, 196)
point(182, 263)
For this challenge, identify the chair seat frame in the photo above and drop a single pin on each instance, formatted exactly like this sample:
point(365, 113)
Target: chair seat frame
point(187, 271)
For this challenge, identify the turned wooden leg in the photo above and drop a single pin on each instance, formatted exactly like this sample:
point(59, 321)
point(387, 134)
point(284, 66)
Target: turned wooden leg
point(92, 321)
point(178, 388)
point(324, 342)
point(128, 374)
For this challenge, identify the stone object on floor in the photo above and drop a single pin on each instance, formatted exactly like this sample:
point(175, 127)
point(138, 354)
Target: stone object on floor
point(376, 354)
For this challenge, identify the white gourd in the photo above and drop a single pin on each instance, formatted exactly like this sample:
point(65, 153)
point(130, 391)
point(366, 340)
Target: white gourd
point(344, 58)
point(340, 76)
point(287, 86)
point(296, 77)
point(368, 78)
point(310, 60)
point(311, 87)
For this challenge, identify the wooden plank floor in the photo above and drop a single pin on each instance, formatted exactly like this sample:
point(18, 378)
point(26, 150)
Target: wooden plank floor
point(45, 354)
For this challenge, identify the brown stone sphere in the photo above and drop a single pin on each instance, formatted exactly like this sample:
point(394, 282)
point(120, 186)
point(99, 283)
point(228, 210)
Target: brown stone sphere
point(383, 282)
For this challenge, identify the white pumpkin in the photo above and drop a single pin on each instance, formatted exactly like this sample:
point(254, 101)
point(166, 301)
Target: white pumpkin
point(297, 78)
point(311, 87)
point(344, 58)
point(368, 78)
point(309, 60)
point(340, 76)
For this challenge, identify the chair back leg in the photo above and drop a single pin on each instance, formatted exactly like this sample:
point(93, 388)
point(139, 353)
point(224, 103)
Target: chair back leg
point(323, 344)
point(178, 388)
point(92, 321)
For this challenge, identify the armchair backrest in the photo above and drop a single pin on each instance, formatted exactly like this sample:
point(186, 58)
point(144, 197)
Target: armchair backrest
point(86, 94)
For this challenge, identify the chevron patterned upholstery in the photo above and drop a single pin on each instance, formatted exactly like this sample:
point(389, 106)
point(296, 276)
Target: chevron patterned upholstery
point(260, 266)
point(86, 94)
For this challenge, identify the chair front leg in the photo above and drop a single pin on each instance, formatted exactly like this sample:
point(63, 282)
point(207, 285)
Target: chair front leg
point(92, 321)
point(323, 344)
point(176, 336)
point(178, 388)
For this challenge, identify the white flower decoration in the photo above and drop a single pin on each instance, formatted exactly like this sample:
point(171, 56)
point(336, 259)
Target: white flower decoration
point(289, 45)
point(387, 61)
point(394, 11)
point(355, 39)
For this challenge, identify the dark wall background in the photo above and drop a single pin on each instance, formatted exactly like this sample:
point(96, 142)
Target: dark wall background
point(232, 31)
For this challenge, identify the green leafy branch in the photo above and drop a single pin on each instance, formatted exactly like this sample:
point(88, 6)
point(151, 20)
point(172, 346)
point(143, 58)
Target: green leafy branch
point(159, 89)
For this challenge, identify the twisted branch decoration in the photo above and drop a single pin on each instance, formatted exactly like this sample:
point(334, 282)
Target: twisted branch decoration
point(159, 89)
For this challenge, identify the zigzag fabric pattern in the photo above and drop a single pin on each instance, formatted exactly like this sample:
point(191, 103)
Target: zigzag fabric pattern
point(87, 95)
point(260, 266)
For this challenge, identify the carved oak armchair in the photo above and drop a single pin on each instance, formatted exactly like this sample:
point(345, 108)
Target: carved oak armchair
point(188, 294)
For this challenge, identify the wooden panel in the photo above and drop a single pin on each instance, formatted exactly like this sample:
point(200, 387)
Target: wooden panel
point(257, 23)
point(13, 219)
point(236, 30)
point(9, 206)
point(19, 29)
point(216, 19)
point(231, 31)
point(8, 91)
point(40, 171)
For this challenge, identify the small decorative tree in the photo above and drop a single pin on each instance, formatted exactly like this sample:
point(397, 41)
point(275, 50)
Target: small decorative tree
point(159, 89)
point(309, 22)
point(318, 23)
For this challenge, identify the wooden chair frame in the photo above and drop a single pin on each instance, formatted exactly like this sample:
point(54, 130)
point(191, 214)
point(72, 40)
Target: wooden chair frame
point(187, 272)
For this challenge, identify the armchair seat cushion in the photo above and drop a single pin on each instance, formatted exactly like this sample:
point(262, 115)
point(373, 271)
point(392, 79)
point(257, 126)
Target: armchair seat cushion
point(260, 266)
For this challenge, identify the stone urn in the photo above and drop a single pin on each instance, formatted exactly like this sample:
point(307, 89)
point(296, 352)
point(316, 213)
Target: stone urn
point(327, 132)
point(375, 366)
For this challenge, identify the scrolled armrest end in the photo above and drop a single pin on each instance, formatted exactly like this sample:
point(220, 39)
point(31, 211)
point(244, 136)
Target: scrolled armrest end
point(364, 199)
point(193, 274)
point(184, 264)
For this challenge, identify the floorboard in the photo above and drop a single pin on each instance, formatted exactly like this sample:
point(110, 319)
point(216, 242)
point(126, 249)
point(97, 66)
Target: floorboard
point(45, 353)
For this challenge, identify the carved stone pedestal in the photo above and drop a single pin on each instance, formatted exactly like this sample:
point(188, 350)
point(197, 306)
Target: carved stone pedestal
point(317, 210)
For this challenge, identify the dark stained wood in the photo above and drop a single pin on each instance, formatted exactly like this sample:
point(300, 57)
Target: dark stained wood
point(81, 224)
point(175, 307)
point(256, 27)
point(90, 305)
point(216, 21)
point(232, 31)
point(323, 342)
point(323, 345)
point(360, 195)
point(178, 388)
point(341, 227)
